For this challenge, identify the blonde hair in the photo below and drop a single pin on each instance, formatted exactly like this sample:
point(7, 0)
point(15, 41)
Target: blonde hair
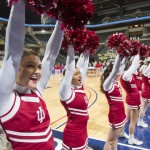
point(28, 52)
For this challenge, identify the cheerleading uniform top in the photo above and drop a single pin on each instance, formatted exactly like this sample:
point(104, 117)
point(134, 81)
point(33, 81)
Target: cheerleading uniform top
point(11, 103)
point(116, 115)
point(75, 102)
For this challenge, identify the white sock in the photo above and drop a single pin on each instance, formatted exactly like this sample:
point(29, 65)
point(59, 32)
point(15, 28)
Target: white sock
point(140, 119)
point(131, 136)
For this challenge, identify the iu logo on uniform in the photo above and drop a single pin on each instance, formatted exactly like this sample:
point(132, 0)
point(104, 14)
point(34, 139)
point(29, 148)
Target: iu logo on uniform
point(40, 115)
point(86, 99)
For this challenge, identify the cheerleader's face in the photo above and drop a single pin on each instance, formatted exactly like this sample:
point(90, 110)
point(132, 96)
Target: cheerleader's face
point(29, 71)
point(77, 78)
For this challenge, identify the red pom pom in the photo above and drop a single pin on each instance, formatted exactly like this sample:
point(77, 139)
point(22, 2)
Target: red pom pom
point(11, 1)
point(81, 39)
point(74, 13)
point(77, 38)
point(115, 40)
point(135, 47)
point(41, 6)
point(124, 48)
point(144, 50)
point(92, 42)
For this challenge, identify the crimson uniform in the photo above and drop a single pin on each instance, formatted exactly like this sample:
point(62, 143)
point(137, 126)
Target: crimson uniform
point(117, 116)
point(138, 81)
point(27, 124)
point(146, 89)
point(75, 134)
point(57, 69)
point(132, 94)
point(97, 66)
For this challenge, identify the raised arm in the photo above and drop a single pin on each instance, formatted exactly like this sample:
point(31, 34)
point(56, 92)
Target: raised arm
point(65, 86)
point(123, 65)
point(51, 53)
point(146, 72)
point(108, 82)
point(14, 44)
point(82, 64)
point(128, 74)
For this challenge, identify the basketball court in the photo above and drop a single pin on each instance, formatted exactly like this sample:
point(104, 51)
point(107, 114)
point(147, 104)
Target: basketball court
point(98, 123)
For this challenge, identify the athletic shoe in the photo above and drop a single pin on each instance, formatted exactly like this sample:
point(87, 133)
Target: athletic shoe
point(141, 123)
point(134, 142)
point(124, 135)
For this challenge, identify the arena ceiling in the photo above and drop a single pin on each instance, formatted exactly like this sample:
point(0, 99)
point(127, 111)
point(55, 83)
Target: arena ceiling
point(105, 5)
point(103, 8)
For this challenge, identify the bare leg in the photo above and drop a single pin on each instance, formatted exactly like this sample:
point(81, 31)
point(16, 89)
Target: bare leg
point(112, 140)
point(134, 116)
point(143, 109)
point(142, 113)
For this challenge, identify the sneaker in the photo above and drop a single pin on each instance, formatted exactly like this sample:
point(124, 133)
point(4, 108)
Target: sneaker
point(141, 123)
point(124, 135)
point(89, 148)
point(135, 142)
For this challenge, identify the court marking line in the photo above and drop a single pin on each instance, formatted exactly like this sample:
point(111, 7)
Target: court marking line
point(66, 115)
point(126, 145)
point(88, 107)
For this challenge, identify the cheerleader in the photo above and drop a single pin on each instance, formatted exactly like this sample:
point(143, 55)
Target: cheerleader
point(145, 97)
point(23, 113)
point(75, 101)
point(132, 99)
point(117, 116)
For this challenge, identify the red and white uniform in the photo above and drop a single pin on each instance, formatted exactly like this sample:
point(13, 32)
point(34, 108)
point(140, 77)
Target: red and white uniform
point(57, 69)
point(27, 124)
point(75, 133)
point(138, 81)
point(98, 66)
point(132, 94)
point(117, 117)
point(146, 89)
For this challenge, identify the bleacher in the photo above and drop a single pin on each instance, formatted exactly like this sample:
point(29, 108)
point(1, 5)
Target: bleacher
point(2, 34)
point(42, 37)
point(29, 39)
point(61, 59)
